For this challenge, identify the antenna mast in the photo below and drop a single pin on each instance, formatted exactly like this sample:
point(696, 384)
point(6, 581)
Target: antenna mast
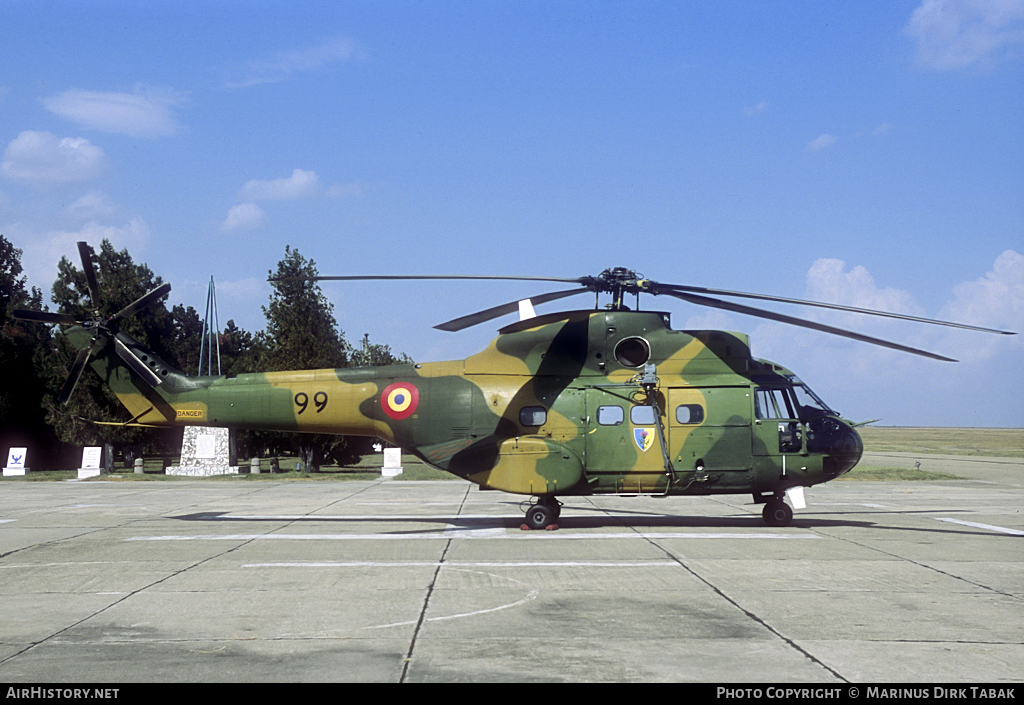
point(212, 333)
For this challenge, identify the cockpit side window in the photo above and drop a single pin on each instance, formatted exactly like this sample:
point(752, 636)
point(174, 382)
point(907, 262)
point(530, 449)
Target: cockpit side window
point(809, 404)
point(772, 404)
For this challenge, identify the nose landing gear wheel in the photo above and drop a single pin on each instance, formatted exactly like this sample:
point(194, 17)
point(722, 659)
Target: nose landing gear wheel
point(543, 514)
point(777, 513)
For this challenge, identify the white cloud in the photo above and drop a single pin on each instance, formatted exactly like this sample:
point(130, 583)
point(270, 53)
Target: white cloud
point(823, 355)
point(956, 34)
point(42, 249)
point(145, 113)
point(44, 158)
point(301, 184)
point(829, 282)
point(345, 191)
point(995, 300)
point(285, 64)
point(866, 381)
point(755, 109)
point(820, 143)
point(245, 216)
point(91, 206)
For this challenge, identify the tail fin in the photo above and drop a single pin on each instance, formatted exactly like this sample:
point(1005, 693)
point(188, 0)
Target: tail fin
point(144, 383)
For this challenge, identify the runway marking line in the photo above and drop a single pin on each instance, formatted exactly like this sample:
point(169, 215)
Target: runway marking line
point(467, 564)
point(532, 595)
point(987, 527)
point(468, 534)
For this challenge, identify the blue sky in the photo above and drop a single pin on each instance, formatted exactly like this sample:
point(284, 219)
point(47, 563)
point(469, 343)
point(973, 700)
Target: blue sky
point(867, 153)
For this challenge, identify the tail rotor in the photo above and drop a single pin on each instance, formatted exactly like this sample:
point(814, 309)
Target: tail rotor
point(104, 329)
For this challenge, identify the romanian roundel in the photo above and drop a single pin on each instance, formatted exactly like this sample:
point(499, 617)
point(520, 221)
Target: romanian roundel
point(400, 400)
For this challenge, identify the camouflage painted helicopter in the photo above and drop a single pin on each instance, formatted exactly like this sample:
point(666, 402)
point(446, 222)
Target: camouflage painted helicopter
point(602, 401)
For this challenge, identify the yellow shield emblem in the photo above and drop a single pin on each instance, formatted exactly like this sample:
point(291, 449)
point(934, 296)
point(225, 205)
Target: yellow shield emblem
point(644, 438)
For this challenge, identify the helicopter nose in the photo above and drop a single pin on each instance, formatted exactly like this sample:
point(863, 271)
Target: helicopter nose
point(845, 450)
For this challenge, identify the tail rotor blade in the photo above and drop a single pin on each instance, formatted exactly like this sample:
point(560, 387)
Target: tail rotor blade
point(44, 317)
point(76, 373)
point(138, 366)
point(89, 268)
point(143, 301)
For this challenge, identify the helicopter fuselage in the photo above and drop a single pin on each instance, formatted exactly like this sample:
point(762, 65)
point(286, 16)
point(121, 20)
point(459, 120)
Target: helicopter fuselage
point(583, 402)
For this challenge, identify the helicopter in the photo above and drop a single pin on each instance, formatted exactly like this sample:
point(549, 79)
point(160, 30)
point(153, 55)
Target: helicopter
point(609, 400)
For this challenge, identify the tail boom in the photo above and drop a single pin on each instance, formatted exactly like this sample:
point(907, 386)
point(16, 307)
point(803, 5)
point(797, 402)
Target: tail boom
point(308, 401)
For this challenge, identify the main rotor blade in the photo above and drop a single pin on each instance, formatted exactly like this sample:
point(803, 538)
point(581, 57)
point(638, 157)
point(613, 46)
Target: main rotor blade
point(138, 366)
point(44, 317)
point(76, 373)
point(400, 277)
point(473, 319)
point(658, 288)
point(782, 318)
point(89, 268)
point(143, 301)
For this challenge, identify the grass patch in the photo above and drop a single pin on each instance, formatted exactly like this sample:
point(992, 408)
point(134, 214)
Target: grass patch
point(885, 474)
point(993, 442)
point(410, 471)
point(42, 475)
point(367, 468)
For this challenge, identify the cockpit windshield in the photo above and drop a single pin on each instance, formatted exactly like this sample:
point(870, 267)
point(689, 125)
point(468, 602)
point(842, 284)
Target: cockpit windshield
point(810, 404)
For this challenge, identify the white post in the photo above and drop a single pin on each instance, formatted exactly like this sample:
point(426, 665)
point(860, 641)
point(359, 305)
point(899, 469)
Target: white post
point(15, 462)
point(392, 462)
point(91, 457)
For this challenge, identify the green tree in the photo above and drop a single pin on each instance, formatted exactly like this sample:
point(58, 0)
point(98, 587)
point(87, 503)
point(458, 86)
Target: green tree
point(375, 355)
point(302, 334)
point(240, 350)
point(22, 350)
point(186, 335)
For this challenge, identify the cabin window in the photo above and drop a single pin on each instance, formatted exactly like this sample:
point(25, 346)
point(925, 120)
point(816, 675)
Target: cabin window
point(689, 413)
point(533, 416)
point(642, 415)
point(610, 415)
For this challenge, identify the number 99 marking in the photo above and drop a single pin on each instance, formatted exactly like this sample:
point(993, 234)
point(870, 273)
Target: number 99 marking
point(319, 400)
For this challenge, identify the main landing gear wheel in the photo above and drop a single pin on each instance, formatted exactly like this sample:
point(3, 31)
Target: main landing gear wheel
point(543, 514)
point(777, 513)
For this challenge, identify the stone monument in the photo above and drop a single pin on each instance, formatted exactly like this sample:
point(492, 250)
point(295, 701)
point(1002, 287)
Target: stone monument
point(205, 451)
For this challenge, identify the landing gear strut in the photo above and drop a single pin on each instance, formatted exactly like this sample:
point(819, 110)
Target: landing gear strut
point(543, 514)
point(777, 513)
